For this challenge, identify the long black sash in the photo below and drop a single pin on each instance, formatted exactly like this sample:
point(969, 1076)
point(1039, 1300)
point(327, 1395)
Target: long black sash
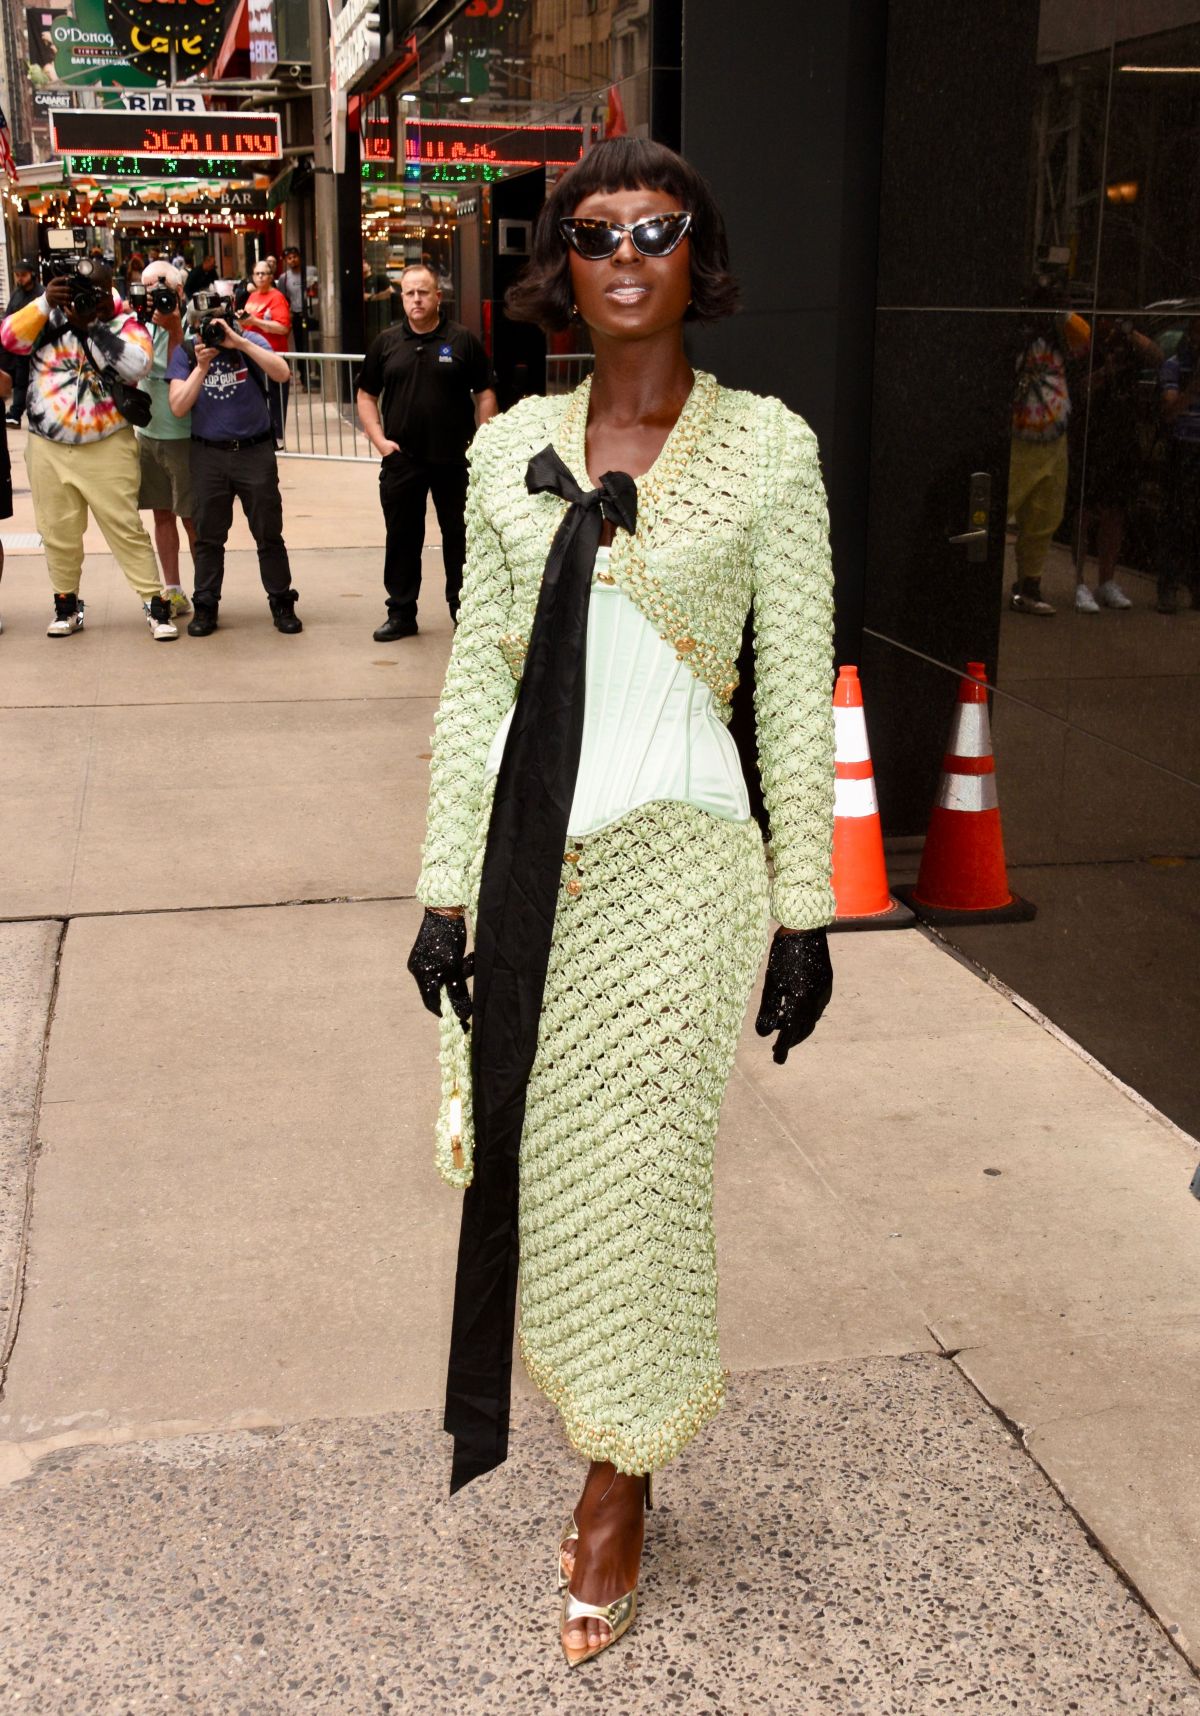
point(514, 926)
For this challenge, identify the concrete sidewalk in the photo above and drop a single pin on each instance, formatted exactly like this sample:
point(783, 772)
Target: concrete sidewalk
point(959, 1277)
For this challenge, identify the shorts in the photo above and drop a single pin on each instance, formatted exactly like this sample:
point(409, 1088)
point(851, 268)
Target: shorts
point(166, 475)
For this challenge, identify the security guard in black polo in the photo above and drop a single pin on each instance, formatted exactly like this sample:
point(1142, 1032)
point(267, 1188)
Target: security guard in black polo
point(425, 385)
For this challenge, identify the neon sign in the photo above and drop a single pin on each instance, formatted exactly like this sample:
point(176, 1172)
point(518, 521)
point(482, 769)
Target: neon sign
point(94, 131)
point(437, 143)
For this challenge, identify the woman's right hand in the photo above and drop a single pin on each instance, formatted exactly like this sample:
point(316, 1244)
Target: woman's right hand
point(439, 960)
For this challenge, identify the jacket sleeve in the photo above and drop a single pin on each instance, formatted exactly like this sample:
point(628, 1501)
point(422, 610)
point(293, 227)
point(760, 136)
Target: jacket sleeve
point(477, 693)
point(793, 672)
point(21, 329)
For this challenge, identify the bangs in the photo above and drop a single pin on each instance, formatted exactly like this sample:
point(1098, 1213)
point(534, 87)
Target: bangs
point(628, 164)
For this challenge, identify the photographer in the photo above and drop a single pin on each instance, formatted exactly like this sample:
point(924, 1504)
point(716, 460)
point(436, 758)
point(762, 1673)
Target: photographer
point(84, 357)
point(25, 290)
point(164, 444)
point(221, 379)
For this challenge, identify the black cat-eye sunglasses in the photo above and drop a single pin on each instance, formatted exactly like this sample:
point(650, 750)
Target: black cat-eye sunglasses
point(656, 235)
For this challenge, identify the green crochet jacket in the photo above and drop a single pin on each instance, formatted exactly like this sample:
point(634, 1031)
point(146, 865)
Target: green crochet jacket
point(731, 516)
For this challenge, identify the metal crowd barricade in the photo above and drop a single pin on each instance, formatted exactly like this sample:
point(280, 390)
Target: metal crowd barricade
point(565, 370)
point(322, 419)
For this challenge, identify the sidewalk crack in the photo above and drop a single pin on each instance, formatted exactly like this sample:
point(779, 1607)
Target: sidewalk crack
point(17, 1304)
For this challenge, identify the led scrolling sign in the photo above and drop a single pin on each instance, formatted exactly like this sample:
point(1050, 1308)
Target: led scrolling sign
point(448, 143)
point(230, 137)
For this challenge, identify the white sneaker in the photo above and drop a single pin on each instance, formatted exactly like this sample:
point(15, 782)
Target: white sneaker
point(1111, 595)
point(1085, 602)
point(179, 603)
point(158, 618)
point(68, 616)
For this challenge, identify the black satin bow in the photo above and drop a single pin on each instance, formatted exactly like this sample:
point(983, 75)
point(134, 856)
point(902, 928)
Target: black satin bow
point(514, 927)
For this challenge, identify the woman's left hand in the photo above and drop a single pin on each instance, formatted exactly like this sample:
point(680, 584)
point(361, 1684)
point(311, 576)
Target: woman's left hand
point(797, 989)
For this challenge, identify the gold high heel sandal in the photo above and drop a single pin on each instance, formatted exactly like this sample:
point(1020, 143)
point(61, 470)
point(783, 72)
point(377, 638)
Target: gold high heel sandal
point(617, 1617)
point(570, 1535)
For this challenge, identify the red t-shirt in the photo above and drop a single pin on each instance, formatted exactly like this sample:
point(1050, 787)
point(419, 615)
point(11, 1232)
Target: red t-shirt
point(272, 303)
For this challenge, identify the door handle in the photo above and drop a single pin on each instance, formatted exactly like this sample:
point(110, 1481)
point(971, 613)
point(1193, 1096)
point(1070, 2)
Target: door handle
point(979, 505)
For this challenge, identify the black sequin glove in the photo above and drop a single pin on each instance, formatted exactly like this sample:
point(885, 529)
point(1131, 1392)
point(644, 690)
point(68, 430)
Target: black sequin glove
point(439, 960)
point(797, 989)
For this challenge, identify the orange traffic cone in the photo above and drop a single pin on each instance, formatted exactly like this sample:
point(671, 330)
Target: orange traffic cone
point(963, 878)
point(859, 875)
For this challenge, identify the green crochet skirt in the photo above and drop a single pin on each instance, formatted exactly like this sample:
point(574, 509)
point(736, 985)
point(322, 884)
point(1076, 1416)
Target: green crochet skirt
point(660, 929)
point(661, 924)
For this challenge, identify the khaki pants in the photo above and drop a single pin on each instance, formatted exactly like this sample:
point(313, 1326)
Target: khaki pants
point(66, 481)
point(1037, 498)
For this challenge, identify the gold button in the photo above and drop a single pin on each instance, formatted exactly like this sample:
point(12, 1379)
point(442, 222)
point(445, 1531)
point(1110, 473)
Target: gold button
point(685, 645)
point(605, 578)
point(574, 887)
point(571, 857)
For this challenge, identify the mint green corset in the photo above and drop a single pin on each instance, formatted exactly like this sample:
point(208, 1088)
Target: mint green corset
point(650, 727)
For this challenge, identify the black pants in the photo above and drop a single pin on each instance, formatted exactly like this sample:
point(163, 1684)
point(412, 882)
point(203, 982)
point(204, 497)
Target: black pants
point(251, 474)
point(1179, 532)
point(405, 485)
point(18, 368)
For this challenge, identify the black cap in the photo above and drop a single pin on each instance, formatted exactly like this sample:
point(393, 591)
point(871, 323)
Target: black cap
point(28, 264)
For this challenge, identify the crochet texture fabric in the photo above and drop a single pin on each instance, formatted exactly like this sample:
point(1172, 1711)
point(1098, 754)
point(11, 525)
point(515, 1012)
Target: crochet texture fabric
point(662, 917)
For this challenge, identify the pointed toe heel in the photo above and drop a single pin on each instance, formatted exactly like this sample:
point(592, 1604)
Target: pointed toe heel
point(617, 1617)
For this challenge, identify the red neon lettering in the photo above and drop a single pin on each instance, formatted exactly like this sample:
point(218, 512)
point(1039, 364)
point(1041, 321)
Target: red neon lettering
point(154, 141)
point(189, 143)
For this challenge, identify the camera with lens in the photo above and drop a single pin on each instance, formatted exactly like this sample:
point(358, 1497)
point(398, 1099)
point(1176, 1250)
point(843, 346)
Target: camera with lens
point(145, 301)
point(206, 308)
point(79, 272)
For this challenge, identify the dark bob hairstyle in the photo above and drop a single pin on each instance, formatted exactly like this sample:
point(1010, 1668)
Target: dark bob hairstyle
point(543, 292)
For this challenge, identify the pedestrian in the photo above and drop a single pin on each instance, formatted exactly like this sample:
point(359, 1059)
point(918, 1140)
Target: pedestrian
point(25, 290)
point(1179, 531)
point(1039, 458)
point(294, 288)
point(233, 457)
point(6, 491)
point(164, 444)
point(1111, 460)
point(201, 277)
point(588, 808)
point(86, 357)
point(268, 313)
point(425, 385)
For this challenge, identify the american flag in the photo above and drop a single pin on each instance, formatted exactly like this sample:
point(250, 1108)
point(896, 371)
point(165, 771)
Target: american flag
point(6, 154)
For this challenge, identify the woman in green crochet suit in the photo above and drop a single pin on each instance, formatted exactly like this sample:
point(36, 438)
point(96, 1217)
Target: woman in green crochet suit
point(588, 813)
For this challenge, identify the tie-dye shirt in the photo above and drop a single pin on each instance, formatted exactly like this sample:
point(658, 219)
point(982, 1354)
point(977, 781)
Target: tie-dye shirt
point(68, 398)
point(1042, 400)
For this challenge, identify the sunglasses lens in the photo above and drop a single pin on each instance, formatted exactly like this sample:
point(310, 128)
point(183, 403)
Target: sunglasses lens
point(592, 239)
point(660, 236)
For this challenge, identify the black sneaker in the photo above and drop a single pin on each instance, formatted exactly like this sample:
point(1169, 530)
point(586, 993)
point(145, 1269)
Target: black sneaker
point(68, 616)
point(203, 621)
point(283, 611)
point(158, 617)
point(395, 626)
